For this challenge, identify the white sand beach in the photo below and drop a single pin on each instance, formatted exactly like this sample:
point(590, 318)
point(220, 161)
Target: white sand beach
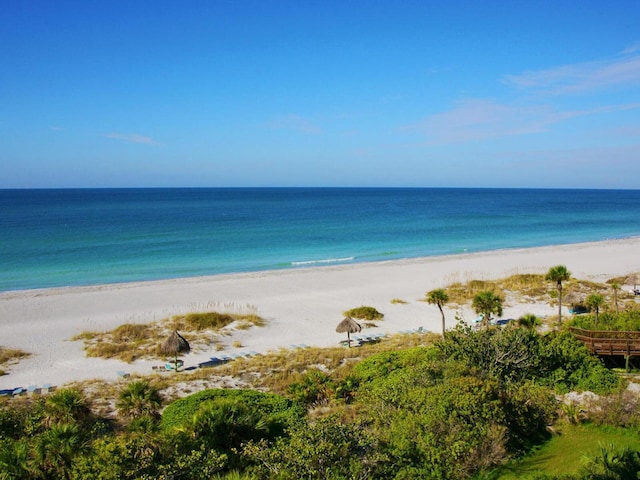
point(301, 306)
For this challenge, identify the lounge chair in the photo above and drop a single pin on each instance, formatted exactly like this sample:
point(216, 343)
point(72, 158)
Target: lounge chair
point(123, 374)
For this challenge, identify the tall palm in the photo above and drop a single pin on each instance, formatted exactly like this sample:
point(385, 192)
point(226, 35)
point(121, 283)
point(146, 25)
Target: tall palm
point(139, 399)
point(615, 286)
point(594, 302)
point(558, 274)
point(438, 297)
point(486, 303)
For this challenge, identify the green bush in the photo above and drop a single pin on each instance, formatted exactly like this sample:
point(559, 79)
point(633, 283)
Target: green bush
point(629, 321)
point(280, 412)
point(314, 388)
point(567, 364)
point(364, 313)
point(326, 449)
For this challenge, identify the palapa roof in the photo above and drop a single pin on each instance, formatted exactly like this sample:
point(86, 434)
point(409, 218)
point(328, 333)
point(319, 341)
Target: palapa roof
point(573, 298)
point(348, 325)
point(175, 344)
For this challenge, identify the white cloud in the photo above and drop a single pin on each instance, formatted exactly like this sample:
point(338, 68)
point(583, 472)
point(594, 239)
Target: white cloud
point(478, 119)
point(581, 77)
point(131, 138)
point(633, 48)
point(293, 122)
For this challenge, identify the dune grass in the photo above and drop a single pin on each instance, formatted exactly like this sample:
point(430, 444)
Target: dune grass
point(364, 313)
point(564, 453)
point(129, 342)
point(10, 355)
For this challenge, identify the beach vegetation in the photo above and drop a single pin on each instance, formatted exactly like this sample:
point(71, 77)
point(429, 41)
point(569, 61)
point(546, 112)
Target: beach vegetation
point(139, 399)
point(469, 404)
point(529, 320)
point(11, 355)
point(627, 320)
point(364, 313)
point(594, 302)
point(557, 275)
point(398, 301)
point(438, 297)
point(487, 303)
point(527, 284)
point(129, 342)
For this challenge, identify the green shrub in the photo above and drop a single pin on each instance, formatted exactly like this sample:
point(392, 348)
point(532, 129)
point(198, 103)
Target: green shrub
point(628, 320)
point(364, 313)
point(326, 449)
point(567, 364)
point(314, 388)
point(280, 412)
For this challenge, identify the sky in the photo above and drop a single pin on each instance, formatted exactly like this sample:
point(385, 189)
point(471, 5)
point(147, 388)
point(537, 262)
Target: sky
point(232, 93)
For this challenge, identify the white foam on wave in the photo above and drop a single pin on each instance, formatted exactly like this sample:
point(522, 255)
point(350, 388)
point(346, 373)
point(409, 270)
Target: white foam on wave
point(326, 260)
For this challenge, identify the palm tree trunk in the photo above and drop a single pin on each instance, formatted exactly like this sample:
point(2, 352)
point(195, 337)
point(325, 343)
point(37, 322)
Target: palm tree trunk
point(442, 313)
point(559, 303)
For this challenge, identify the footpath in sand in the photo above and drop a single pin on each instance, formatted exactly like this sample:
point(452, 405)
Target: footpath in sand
point(300, 306)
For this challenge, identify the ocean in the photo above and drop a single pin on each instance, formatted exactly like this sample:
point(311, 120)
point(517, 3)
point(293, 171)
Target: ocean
point(73, 237)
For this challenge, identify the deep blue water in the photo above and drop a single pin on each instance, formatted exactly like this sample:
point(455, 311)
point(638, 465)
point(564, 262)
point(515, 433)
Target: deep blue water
point(54, 238)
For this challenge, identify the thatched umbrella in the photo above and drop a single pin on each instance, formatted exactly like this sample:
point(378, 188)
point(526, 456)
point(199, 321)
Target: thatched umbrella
point(175, 345)
point(573, 298)
point(633, 278)
point(350, 326)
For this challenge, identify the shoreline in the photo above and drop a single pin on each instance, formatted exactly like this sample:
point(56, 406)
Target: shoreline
point(298, 268)
point(295, 266)
point(300, 305)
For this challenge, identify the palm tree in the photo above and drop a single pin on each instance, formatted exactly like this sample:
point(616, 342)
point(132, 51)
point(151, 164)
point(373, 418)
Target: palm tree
point(558, 274)
point(594, 302)
point(139, 399)
point(225, 424)
point(486, 303)
point(55, 449)
point(615, 286)
point(66, 406)
point(438, 297)
point(528, 320)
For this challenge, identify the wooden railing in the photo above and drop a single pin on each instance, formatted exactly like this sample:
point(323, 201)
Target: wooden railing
point(609, 342)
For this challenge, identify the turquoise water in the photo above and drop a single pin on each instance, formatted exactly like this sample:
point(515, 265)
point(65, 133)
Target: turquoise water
point(51, 238)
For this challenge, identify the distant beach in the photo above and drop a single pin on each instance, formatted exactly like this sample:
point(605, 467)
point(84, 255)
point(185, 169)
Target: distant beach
point(301, 305)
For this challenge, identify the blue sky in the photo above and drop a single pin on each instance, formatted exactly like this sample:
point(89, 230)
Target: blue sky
point(320, 93)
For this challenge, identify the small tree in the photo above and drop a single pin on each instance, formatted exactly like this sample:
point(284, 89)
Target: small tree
point(486, 303)
point(594, 302)
point(558, 274)
point(438, 297)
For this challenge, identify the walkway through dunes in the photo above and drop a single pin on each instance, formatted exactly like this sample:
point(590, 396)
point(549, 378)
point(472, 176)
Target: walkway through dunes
point(610, 343)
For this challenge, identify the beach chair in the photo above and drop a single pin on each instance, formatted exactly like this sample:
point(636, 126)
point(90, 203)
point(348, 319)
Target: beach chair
point(123, 374)
point(46, 388)
point(17, 391)
point(31, 389)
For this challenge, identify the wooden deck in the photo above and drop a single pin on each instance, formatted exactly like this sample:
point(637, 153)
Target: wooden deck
point(610, 343)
